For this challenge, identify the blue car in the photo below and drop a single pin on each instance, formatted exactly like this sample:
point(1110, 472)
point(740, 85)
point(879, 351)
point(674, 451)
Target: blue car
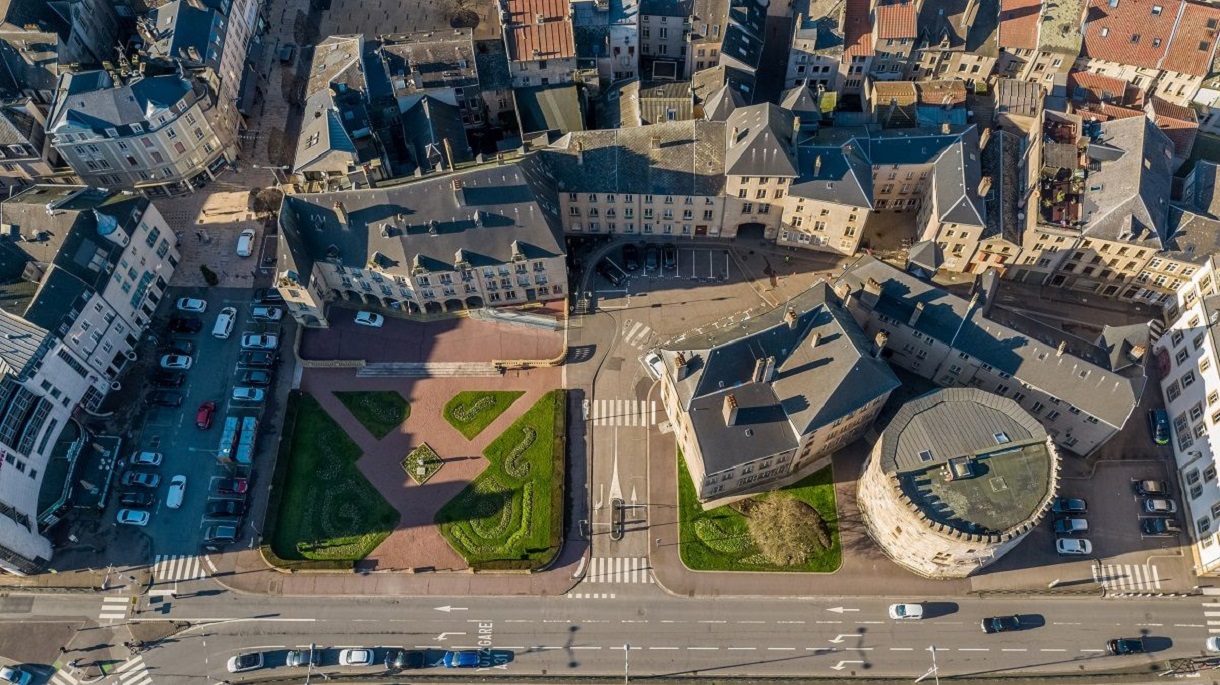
point(463, 659)
point(1158, 425)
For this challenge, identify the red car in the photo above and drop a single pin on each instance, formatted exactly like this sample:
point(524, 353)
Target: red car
point(232, 486)
point(203, 420)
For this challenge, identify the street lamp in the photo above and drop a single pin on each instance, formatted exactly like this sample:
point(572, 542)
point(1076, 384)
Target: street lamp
point(626, 663)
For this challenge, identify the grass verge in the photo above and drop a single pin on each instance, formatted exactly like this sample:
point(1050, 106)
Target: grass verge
point(473, 410)
point(511, 516)
point(379, 411)
point(719, 539)
point(327, 510)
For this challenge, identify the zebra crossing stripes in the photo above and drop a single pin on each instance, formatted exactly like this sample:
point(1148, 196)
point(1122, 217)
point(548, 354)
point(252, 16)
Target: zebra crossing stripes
point(114, 607)
point(624, 412)
point(133, 672)
point(590, 595)
point(1127, 577)
point(64, 677)
point(619, 570)
point(176, 567)
point(637, 334)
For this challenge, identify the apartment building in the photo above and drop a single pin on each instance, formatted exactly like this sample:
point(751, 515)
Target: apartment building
point(1039, 40)
point(486, 237)
point(1066, 383)
point(25, 156)
point(76, 31)
point(958, 39)
point(442, 66)
point(829, 202)
point(540, 44)
point(765, 404)
point(664, 29)
point(607, 37)
point(760, 161)
point(895, 31)
point(857, 59)
point(101, 261)
point(817, 45)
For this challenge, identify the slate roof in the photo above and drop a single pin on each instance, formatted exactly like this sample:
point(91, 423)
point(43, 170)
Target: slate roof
point(744, 33)
point(336, 60)
point(90, 100)
point(665, 8)
point(955, 182)
point(30, 60)
point(657, 99)
point(834, 173)
point(17, 127)
point(1120, 342)
point(1007, 341)
point(812, 386)
point(962, 25)
point(177, 28)
point(551, 38)
point(822, 22)
point(1001, 161)
point(393, 222)
point(1194, 237)
point(1129, 194)
point(548, 108)
point(1205, 195)
point(804, 102)
point(763, 144)
point(23, 343)
point(722, 103)
point(427, 124)
point(491, 59)
point(1019, 21)
point(688, 160)
point(336, 108)
point(441, 60)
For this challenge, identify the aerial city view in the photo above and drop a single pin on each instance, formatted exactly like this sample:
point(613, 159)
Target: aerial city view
point(681, 341)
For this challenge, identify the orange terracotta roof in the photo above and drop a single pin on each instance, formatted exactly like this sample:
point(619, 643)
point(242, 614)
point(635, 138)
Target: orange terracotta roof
point(1194, 44)
point(552, 38)
point(1102, 111)
point(896, 20)
point(1133, 32)
point(1178, 123)
point(857, 30)
point(1169, 110)
point(1101, 88)
point(1019, 20)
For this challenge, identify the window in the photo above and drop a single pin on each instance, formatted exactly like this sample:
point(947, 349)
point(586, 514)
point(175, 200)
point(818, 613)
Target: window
point(1156, 10)
point(1188, 379)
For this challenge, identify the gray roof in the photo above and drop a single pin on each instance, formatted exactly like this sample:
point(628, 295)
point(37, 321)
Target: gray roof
point(722, 103)
point(665, 8)
point(822, 22)
point(955, 182)
point(743, 36)
point(17, 126)
point(491, 58)
point(1205, 195)
point(803, 102)
point(1014, 96)
point(427, 124)
point(657, 100)
point(553, 109)
point(967, 25)
point(1129, 194)
point(185, 30)
point(812, 386)
point(834, 173)
point(674, 158)
point(91, 100)
point(440, 59)
point(1126, 345)
point(494, 212)
point(763, 144)
point(1192, 237)
point(22, 343)
point(1007, 341)
point(31, 60)
point(926, 255)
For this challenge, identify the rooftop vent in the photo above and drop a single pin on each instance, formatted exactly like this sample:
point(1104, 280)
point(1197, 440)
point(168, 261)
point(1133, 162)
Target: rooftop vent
point(925, 456)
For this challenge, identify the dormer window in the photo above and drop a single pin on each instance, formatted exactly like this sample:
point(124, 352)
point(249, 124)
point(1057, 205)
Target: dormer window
point(1156, 10)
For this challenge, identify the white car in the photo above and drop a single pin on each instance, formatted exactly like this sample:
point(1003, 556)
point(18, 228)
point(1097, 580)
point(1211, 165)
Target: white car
point(1212, 644)
point(244, 394)
point(1073, 547)
point(245, 243)
point(264, 313)
point(15, 675)
point(132, 517)
point(191, 304)
point(656, 367)
point(259, 341)
point(245, 662)
point(176, 361)
point(224, 323)
point(1160, 505)
point(177, 491)
point(370, 319)
point(356, 657)
point(903, 612)
point(146, 459)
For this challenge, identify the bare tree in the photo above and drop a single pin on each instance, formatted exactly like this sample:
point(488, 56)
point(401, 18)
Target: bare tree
point(786, 530)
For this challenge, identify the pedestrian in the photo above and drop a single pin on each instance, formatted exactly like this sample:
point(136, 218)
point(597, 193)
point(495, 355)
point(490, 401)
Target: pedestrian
point(63, 651)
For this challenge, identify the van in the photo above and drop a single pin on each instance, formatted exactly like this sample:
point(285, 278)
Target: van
point(224, 323)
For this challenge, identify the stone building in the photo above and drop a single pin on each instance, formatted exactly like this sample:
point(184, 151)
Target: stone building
point(956, 480)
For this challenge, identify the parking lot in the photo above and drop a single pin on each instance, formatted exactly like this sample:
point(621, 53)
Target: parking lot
point(191, 437)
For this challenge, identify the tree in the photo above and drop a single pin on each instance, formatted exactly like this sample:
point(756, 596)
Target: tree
point(786, 530)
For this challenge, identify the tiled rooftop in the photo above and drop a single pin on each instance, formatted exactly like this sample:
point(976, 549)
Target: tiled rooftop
point(857, 29)
point(1130, 31)
point(896, 19)
point(539, 29)
point(1019, 20)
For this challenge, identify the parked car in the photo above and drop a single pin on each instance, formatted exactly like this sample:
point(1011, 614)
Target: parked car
point(259, 341)
point(245, 662)
point(304, 657)
point(225, 321)
point(1158, 426)
point(176, 361)
point(203, 417)
point(654, 364)
point(192, 304)
point(177, 492)
point(287, 50)
point(1069, 505)
point(165, 398)
point(146, 459)
point(15, 675)
point(167, 379)
point(268, 296)
point(1160, 527)
point(400, 659)
point(256, 358)
point(466, 658)
point(1071, 526)
point(1001, 624)
point(1071, 547)
point(1152, 488)
point(906, 612)
point(232, 486)
point(177, 346)
point(266, 313)
point(185, 324)
point(372, 319)
point(245, 243)
point(1126, 645)
point(244, 394)
point(631, 257)
point(356, 657)
point(142, 479)
point(225, 508)
point(255, 377)
point(669, 257)
point(610, 271)
point(220, 534)
point(652, 258)
point(1212, 644)
point(137, 499)
point(132, 517)
point(1160, 505)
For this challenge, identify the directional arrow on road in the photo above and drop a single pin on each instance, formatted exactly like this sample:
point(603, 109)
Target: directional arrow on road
point(448, 608)
point(441, 637)
point(839, 638)
point(843, 664)
point(839, 610)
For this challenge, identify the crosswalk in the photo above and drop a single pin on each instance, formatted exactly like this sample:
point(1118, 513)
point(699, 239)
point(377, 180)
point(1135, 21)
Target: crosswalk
point(1211, 612)
point(1127, 577)
point(114, 608)
point(133, 672)
point(177, 567)
point(619, 570)
point(64, 677)
point(637, 334)
point(624, 412)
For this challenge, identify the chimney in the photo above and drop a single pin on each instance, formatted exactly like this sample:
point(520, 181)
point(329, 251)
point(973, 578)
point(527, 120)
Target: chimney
point(817, 165)
point(730, 409)
point(580, 152)
point(1063, 345)
point(341, 213)
point(1137, 352)
point(790, 319)
point(815, 339)
point(456, 184)
point(736, 132)
point(881, 339)
point(769, 370)
point(873, 287)
point(760, 371)
point(915, 314)
point(654, 142)
point(796, 128)
point(984, 186)
point(944, 128)
point(984, 137)
point(448, 153)
point(681, 368)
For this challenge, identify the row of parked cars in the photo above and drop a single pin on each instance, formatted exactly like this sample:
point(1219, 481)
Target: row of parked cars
point(656, 258)
point(393, 659)
point(1069, 521)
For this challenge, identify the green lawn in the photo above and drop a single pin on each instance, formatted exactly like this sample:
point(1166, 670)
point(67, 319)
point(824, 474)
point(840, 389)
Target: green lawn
point(379, 411)
point(511, 516)
point(471, 411)
point(719, 539)
point(328, 510)
point(422, 463)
